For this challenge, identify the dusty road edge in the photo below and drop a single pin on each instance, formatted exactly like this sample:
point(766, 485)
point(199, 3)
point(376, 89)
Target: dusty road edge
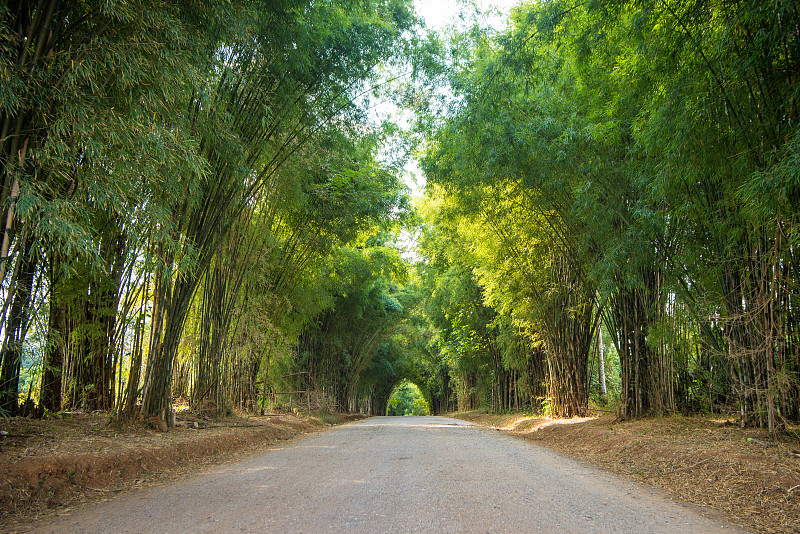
point(38, 487)
point(725, 471)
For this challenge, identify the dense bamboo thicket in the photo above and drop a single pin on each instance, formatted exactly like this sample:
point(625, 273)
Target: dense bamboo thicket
point(632, 167)
point(175, 178)
point(197, 205)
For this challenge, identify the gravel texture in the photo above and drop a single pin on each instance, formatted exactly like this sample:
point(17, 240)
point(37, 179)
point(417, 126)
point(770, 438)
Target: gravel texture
point(397, 474)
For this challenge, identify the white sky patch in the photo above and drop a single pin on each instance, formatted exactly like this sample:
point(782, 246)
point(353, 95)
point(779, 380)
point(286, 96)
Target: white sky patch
point(440, 14)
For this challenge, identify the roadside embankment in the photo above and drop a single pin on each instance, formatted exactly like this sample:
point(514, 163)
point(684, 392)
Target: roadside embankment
point(752, 479)
point(51, 465)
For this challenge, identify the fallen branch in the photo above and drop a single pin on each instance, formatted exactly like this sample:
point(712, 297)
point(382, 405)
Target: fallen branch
point(689, 467)
point(101, 490)
point(762, 443)
point(208, 426)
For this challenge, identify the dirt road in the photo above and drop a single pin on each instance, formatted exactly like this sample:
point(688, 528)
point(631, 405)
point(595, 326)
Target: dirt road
point(400, 474)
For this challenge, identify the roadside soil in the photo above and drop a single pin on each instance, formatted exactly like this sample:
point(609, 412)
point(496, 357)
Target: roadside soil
point(750, 478)
point(48, 467)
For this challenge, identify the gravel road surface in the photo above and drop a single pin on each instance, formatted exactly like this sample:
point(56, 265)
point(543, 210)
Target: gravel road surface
point(396, 474)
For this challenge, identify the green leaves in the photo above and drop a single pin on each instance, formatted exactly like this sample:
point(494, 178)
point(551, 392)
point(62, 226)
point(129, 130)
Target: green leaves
point(407, 399)
point(150, 138)
point(639, 154)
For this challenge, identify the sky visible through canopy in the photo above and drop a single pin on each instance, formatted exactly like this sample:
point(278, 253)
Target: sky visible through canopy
point(440, 15)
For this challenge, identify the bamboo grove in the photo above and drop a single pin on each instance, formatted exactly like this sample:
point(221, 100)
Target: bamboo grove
point(621, 179)
point(178, 181)
point(197, 206)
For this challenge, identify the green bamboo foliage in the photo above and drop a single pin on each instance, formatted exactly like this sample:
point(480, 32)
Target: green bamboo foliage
point(141, 145)
point(84, 97)
point(193, 206)
point(268, 109)
point(658, 141)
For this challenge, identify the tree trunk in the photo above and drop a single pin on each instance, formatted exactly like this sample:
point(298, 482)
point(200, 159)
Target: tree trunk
point(601, 362)
point(50, 398)
point(16, 329)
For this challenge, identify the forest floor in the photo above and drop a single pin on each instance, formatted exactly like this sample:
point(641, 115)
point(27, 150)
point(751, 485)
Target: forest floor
point(48, 467)
point(752, 479)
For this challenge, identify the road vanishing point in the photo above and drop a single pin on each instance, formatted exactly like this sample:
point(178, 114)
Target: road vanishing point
point(396, 475)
